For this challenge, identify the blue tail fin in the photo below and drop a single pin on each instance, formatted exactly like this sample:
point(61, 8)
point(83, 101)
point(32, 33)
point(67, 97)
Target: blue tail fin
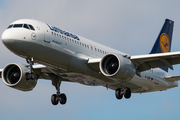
point(163, 41)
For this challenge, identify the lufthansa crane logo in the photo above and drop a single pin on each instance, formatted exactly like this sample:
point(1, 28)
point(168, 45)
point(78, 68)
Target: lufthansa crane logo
point(164, 43)
point(33, 36)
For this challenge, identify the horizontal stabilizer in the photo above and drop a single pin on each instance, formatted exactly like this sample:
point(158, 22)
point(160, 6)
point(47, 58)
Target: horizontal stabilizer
point(172, 78)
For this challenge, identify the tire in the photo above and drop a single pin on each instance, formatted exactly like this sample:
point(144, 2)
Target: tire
point(118, 93)
point(127, 93)
point(32, 76)
point(28, 76)
point(63, 98)
point(54, 99)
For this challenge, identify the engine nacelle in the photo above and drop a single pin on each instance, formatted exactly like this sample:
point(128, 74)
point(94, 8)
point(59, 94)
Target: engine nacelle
point(117, 67)
point(14, 75)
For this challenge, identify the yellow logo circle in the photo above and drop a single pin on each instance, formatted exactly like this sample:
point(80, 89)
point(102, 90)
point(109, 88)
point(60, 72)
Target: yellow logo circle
point(164, 43)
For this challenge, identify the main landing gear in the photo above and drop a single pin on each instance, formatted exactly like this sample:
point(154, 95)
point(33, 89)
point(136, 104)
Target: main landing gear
point(55, 98)
point(30, 75)
point(123, 91)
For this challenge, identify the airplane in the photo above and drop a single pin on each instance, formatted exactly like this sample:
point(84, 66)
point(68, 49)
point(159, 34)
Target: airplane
point(64, 56)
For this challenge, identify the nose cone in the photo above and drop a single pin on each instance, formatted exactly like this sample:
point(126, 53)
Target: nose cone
point(7, 38)
point(4, 36)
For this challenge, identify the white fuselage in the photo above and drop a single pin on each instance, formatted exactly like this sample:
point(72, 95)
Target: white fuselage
point(61, 49)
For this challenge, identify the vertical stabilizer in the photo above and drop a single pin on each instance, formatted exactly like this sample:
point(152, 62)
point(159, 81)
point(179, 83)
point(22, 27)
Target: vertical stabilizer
point(164, 39)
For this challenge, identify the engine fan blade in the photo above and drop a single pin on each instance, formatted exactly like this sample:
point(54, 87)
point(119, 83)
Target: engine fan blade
point(14, 77)
point(112, 68)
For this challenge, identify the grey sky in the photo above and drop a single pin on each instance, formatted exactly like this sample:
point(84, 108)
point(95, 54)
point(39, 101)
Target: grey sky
point(129, 26)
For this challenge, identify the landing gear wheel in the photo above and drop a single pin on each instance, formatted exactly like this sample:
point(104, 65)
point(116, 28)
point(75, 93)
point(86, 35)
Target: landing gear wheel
point(30, 76)
point(127, 93)
point(118, 93)
point(54, 99)
point(62, 99)
point(58, 97)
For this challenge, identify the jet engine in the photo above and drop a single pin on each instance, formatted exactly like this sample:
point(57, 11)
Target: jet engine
point(117, 67)
point(14, 75)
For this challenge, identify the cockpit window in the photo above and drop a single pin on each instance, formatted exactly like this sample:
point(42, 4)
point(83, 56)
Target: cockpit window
point(17, 25)
point(26, 26)
point(10, 26)
point(32, 28)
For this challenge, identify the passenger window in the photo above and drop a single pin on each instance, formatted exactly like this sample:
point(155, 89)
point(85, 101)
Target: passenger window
point(32, 28)
point(26, 26)
point(17, 25)
point(91, 48)
point(10, 26)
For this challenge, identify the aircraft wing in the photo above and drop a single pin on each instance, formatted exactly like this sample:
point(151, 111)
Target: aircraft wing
point(145, 62)
point(94, 63)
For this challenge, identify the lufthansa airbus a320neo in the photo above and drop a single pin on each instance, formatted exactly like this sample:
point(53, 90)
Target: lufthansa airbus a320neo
point(65, 56)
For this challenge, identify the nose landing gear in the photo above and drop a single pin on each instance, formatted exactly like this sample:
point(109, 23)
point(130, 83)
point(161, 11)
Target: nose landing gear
point(30, 75)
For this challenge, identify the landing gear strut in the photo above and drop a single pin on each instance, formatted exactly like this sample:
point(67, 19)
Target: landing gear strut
point(123, 91)
point(30, 75)
point(55, 98)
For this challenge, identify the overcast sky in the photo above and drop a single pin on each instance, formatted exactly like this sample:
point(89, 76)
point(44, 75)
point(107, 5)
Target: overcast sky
point(130, 26)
